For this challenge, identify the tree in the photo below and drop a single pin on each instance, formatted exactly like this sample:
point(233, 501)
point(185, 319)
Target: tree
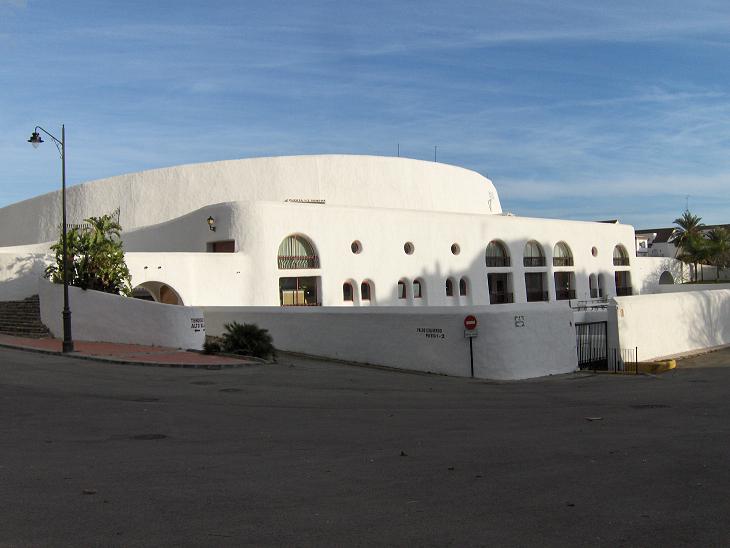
point(688, 238)
point(95, 257)
point(719, 245)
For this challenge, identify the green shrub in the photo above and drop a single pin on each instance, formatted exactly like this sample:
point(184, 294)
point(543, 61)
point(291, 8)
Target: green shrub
point(247, 340)
point(211, 345)
point(95, 257)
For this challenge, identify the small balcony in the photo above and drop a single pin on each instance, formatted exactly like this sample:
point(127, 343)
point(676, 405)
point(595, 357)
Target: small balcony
point(564, 294)
point(533, 261)
point(537, 296)
point(294, 262)
point(562, 261)
point(498, 261)
point(500, 298)
point(623, 291)
point(620, 261)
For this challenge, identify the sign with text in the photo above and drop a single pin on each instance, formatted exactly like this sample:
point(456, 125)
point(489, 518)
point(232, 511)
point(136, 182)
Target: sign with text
point(431, 332)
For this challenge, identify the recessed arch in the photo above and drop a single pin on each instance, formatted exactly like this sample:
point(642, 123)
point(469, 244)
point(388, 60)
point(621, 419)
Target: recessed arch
point(159, 292)
point(533, 254)
point(348, 292)
point(419, 288)
point(449, 287)
point(497, 254)
point(367, 291)
point(562, 254)
point(296, 251)
point(402, 291)
point(666, 278)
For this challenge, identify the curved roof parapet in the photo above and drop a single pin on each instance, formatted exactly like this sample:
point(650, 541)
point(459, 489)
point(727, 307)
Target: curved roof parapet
point(159, 195)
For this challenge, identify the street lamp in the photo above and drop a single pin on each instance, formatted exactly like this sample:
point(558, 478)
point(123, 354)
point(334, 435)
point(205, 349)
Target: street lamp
point(35, 140)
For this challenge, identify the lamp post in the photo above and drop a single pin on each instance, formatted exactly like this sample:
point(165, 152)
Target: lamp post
point(35, 140)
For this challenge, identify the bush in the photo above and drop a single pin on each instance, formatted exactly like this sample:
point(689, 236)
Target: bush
point(247, 340)
point(211, 345)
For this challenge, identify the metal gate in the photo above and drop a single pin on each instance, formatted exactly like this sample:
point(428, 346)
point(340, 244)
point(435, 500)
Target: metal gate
point(592, 345)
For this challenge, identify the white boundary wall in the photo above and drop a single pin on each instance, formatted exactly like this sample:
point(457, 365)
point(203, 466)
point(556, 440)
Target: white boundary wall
point(97, 316)
point(683, 288)
point(665, 325)
point(20, 272)
point(513, 342)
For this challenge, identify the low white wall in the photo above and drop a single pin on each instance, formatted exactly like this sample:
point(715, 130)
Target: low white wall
point(665, 325)
point(97, 316)
point(513, 342)
point(682, 288)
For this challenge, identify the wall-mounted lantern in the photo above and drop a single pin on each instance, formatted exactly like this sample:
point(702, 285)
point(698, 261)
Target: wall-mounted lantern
point(211, 223)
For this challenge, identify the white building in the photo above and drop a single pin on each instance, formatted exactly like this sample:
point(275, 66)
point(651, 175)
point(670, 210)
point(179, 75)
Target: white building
point(332, 230)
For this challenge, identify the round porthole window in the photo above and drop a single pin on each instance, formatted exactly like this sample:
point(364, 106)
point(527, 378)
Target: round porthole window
point(408, 248)
point(455, 249)
point(594, 251)
point(356, 247)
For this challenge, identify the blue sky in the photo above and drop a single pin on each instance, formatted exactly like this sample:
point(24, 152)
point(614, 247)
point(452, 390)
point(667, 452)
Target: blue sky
point(577, 110)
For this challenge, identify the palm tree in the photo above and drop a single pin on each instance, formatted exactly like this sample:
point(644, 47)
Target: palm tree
point(719, 244)
point(687, 238)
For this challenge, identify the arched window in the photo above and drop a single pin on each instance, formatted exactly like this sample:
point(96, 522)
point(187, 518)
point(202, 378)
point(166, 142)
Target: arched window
point(562, 256)
point(463, 287)
point(297, 252)
point(620, 256)
point(593, 286)
point(402, 289)
point(417, 289)
point(497, 254)
point(449, 287)
point(533, 255)
point(366, 291)
point(347, 292)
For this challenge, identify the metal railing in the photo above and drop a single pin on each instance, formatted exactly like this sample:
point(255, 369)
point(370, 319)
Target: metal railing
point(562, 261)
point(498, 261)
point(293, 262)
point(533, 261)
point(564, 294)
point(500, 298)
point(536, 296)
point(620, 261)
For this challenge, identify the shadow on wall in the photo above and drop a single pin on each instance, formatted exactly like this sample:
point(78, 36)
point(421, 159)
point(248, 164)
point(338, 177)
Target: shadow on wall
point(545, 277)
point(708, 325)
point(19, 274)
point(668, 271)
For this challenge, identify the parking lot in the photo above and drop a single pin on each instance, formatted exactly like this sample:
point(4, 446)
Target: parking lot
point(312, 453)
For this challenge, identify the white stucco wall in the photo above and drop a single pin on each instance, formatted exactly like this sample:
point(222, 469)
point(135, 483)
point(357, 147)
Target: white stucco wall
point(155, 196)
point(20, 271)
point(682, 288)
point(646, 272)
point(664, 325)
point(97, 316)
point(513, 342)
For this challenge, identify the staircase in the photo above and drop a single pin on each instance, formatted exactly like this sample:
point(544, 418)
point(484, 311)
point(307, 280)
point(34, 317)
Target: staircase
point(22, 318)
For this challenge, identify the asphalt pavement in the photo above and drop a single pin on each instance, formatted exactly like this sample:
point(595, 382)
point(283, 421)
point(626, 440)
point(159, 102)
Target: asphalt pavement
point(307, 453)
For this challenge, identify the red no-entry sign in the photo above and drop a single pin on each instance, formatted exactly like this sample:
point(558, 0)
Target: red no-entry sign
point(470, 322)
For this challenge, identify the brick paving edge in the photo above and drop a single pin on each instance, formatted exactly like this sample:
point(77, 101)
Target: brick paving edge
point(121, 361)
